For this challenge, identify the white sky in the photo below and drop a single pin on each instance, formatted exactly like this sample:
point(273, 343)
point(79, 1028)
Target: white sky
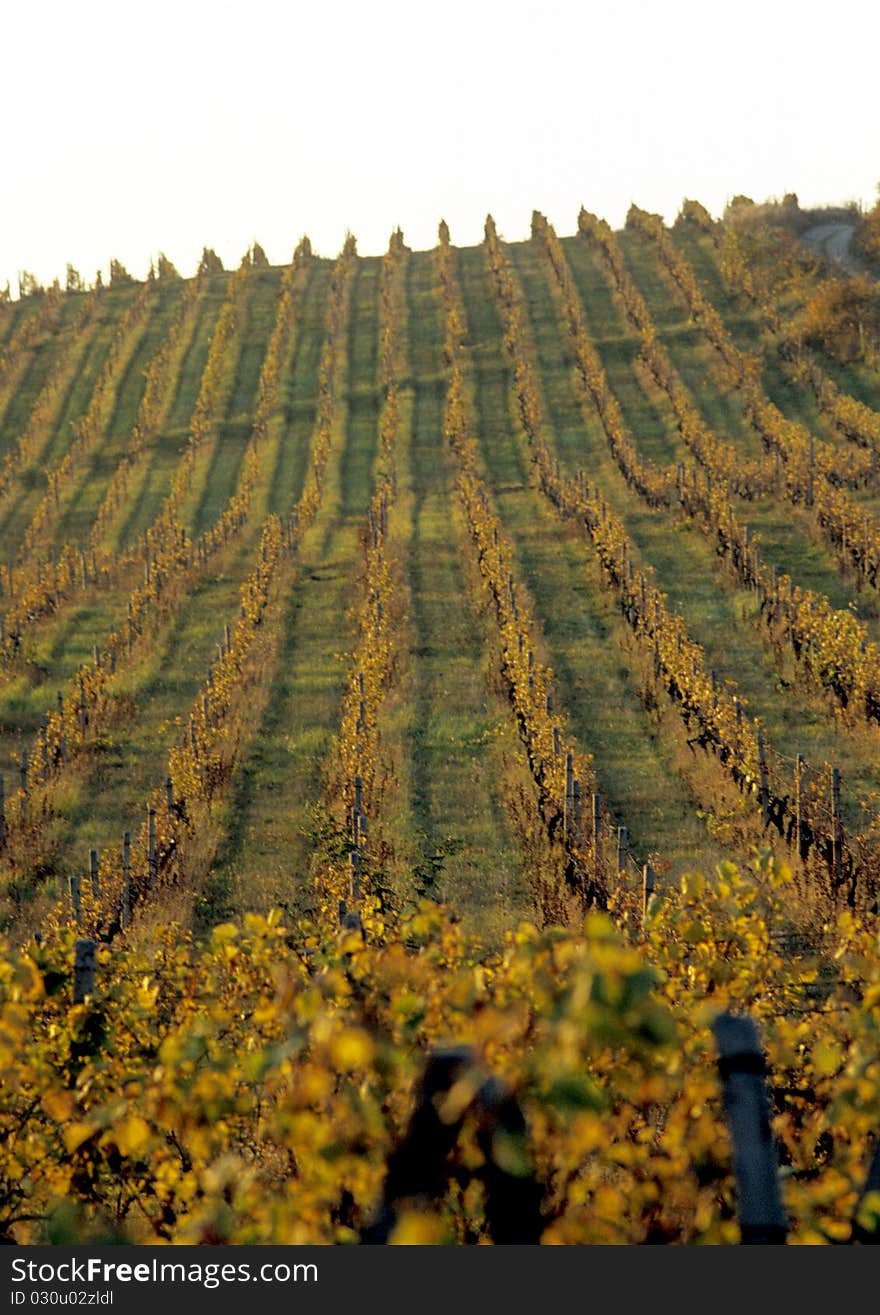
point(129, 129)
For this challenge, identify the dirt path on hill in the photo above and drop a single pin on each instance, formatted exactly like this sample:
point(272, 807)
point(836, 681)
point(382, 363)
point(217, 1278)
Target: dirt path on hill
point(834, 241)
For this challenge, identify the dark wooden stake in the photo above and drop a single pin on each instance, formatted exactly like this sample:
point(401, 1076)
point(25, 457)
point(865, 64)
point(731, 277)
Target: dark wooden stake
point(836, 829)
point(747, 1110)
point(83, 970)
point(126, 879)
point(647, 888)
point(75, 897)
point(151, 851)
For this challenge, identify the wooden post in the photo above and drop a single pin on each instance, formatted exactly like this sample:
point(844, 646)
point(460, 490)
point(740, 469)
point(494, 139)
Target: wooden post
point(764, 787)
point(836, 829)
point(861, 1234)
point(354, 860)
point(577, 828)
point(569, 796)
point(597, 836)
point(810, 472)
point(742, 1069)
point(93, 872)
point(2, 813)
point(75, 897)
point(151, 851)
point(556, 744)
point(622, 847)
point(83, 970)
point(125, 918)
point(23, 777)
point(169, 794)
point(62, 742)
point(358, 795)
point(798, 801)
point(647, 888)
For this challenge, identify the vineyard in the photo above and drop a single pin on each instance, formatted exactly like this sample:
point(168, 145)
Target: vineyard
point(453, 667)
